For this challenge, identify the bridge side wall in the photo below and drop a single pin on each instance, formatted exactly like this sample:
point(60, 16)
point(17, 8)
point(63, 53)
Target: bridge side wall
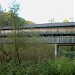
point(61, 29)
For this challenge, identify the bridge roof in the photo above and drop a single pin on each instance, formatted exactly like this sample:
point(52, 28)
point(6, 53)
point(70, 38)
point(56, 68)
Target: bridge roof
point(51, 25)
point(46, 25)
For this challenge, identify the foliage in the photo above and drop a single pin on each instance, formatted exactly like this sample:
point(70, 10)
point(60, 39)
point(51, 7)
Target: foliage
point(7, 18)
point(14, 7)
point(49, 67)
point(65, 20)
point(35, 59)
point(30, 22)
point(52, 20)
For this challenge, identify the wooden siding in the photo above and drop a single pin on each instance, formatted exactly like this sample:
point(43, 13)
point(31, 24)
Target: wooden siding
point(61, 29)
point(50, 40)
point(66, 29)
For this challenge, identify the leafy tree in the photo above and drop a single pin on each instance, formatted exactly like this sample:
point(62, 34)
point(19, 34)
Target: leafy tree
point(9, 21)
point(65, 20)
point(52, 20)
point(1, 15)
point(2, 44)
point(14, 7)
point(30, 22)
point(11, 17)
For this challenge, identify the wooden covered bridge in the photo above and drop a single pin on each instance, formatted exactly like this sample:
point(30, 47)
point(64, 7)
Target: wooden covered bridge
point(52, 33)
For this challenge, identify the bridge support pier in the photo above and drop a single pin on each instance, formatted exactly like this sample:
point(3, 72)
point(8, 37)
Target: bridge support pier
point(57, 50)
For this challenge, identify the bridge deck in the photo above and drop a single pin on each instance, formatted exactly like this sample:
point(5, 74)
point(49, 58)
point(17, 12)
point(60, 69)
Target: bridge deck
point(50, 40)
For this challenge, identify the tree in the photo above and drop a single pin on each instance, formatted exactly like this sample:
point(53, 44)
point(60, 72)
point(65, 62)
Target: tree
point(14, 7)
point(52, 20)
point(1, 15)
point(11, 18)
point(65, 20)
point(2, 44)
point(9, 21)
point(30, 22)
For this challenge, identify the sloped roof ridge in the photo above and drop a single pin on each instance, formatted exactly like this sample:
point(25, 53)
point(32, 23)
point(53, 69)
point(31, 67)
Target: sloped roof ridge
point(50, 25)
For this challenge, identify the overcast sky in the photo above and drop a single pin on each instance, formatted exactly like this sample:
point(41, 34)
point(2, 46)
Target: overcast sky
point(40, 11)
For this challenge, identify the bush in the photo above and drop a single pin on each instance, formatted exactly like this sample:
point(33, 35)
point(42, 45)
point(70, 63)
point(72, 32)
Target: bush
point(46, 67)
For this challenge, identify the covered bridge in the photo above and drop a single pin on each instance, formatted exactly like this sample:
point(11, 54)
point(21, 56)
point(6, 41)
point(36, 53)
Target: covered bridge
point(53, 33)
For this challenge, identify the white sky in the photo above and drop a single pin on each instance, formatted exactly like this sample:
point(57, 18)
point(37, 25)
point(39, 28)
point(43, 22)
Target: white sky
point(40, 11)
